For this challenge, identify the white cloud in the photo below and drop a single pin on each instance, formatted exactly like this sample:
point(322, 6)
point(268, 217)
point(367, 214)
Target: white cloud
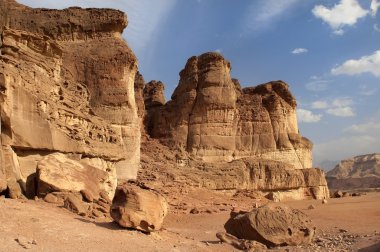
point(374, 7)
point(263, 13)
point(317, 85)
point(319, 105)
point(366, 64)
point(345, 13)
point(339, 32)
point(341, 112)
point(342, 102)
point(307, 116)
point(341, 107)
point(364, 128)
point(376, 27)
point(299, 50)
point(218, 50)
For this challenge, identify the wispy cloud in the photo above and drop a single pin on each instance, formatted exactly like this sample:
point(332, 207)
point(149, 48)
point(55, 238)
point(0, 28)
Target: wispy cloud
point(319, 105)
point(341, 111)
point(345, 13)
point(145, 18)
point(366, 64)
point(340, 107)
point(308, 116)
point(376, 27)
point(363, 128)
point(299, 50)
point(264, 13)
point(317, 85)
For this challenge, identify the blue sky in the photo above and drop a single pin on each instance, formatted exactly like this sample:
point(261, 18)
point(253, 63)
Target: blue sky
point(328, 51)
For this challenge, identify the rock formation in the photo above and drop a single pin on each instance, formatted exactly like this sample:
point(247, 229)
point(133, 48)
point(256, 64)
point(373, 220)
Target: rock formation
point(138, 208)
point(213, 119)
point(273, 225)
point(357, 172)
point(66, 85)
point(230, 138)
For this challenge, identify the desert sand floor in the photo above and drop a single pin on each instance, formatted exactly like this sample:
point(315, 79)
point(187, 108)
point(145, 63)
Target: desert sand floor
point(53, 228)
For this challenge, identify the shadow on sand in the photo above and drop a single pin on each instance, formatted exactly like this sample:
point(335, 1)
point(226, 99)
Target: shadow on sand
point(372, 248)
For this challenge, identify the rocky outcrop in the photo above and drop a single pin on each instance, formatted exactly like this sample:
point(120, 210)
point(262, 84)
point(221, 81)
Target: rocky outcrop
point(154, 94)
point(139, 94)
point(213, 119)
point(138, 208)
point(66, 85)
point(277, 178)
point(273, 225)
point(357, 172)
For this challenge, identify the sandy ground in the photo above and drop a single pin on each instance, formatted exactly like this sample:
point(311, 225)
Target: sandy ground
point(53, 228)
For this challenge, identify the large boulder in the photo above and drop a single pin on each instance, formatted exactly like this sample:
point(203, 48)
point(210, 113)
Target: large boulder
point(58, 173)
point(137, 208)
point(273, 224)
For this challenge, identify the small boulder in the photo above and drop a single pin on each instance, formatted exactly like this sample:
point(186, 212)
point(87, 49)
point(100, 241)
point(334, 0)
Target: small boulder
point(87, 195)
point(338, 194)
point(194, 211)
point(51, 198)
point(311, 207)
point(324, 201)
point(273, 224)
point(356, 194)
point(75, 205)
point(346, 194)
point(137, 208)
point(14, 190)
point(241, 244)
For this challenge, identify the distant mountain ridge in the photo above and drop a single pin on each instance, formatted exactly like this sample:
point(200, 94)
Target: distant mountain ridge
point(358, 172)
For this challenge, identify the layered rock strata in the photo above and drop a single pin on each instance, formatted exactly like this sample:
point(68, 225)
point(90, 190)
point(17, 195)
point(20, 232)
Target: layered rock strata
point(213, 119)
point(67, 85)
point(356, 173)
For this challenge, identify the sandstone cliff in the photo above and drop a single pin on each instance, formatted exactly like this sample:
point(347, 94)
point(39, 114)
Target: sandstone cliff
point(357, 172)
point(226, 138)
point(213, 119)
point(67, 85)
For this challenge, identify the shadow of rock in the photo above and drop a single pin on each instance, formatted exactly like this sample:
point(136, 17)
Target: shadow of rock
point(372, 248)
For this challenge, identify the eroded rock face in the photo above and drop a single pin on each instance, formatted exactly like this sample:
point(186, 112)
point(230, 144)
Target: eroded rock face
point(139, 94)
point(137, 208)
point(212, 118)
point(154, 94)
point(67, 85)
point(277, 178)
point(357, 172)
point(273, 225)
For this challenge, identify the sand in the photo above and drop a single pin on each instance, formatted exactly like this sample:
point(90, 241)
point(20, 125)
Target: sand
point(46, 227)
